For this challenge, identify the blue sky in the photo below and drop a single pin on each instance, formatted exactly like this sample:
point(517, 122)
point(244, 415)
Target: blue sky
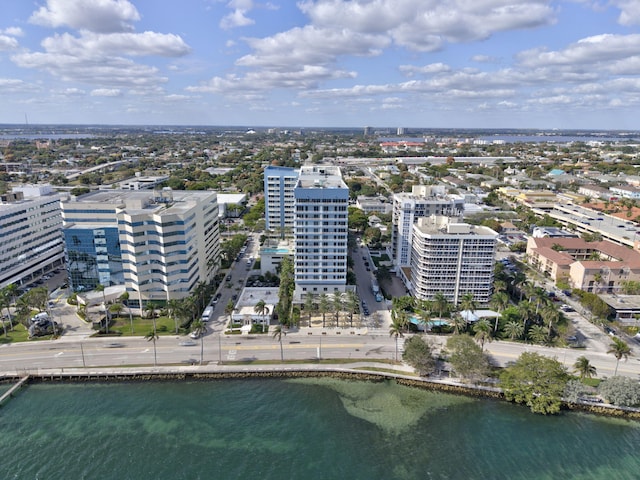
point(324, 63)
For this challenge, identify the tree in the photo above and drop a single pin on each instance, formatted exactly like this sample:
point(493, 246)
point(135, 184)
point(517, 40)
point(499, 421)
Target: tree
point(198, 327)
point(107, 320)
point(468, 303)
point(337, 306)
point(466, 358)
point(395, 330)
point(459, 323)
point(482, 332)
point(440, 303)
point(229, 308)
point(173, 307)
point(513, 330)
point(623, 391)
point(308, 305)
point(536, 381)
point(152, 336)
point(261, 309)
point(537, 334)
point(418, 354)
point(620, 350)
point(499, 301)
point(584, 368)
point(323, 306)
point(124, 298)
point(277, 334)
point(351, 303)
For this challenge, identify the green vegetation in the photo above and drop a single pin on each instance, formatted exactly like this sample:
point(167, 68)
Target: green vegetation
point(536, 381)
point(418, 353)
point(466, 358)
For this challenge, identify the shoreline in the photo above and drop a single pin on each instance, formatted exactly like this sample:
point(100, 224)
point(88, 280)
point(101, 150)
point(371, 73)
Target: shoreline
point(162, 374)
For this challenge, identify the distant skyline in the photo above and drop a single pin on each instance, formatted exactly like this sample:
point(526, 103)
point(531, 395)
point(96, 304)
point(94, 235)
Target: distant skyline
point(322, 63)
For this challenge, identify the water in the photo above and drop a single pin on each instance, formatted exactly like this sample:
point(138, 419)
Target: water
point(298, 429)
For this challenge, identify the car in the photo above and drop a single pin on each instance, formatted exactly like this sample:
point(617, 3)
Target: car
point(364, 258)
point(194, 335)
point(234, 297)
point(368, 269)
point(566, 308)
point(610, 331)
point(188, 343)
point(228, 278)
point(114, 345)
point(572, 338)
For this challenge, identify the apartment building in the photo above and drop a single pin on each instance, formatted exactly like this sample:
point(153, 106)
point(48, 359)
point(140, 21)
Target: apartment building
point(279, 183)
point(160, 244)
point(423, 201)
point(31, 241)
point(320, 230)
point(451, 258)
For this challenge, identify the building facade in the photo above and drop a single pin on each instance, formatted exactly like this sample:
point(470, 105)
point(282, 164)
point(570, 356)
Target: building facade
point(31, 241)
point(167, 242)
point(279, 183)
point(423, 201)
point(451, 258)
point(320, 230)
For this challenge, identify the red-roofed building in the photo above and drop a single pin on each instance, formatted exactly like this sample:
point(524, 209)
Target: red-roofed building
point(592, 266)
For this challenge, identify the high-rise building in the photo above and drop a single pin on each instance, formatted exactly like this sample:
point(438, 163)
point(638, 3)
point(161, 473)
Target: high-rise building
point(320, 230)
point(160, 244)
point(31, 242)
point(451, 258)
point(279, 183)
point(423, 201)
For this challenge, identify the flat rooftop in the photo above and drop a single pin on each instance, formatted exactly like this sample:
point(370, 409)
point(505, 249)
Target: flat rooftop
point(321, 176)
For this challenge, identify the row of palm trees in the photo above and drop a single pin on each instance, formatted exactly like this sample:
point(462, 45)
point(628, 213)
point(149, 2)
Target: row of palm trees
point(335, 303)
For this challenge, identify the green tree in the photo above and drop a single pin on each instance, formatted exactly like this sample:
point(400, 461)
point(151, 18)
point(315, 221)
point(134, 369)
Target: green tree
point(620, 350)
point(513, 330)
point(499, 301)
point(396, 331)
point(459, 323)
point(229, 308)
point(536, 381)
point(308, 305)
point(198, 327)
point(261, 309)
point(466, 358)
point(351, 303)
point(152, 336)
point(336, 301)
point(417, 353)
point(468, 303)
point(278, 332)
point(482, 332)
point(622, 391)
point(441, 304)
point(584, 368)
point(173, 307)
point(537, 334)
point(323, 306)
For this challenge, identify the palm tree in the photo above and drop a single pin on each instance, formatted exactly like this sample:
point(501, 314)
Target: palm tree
point(198, 327)
point(584, 368)
point(482, 330)
point(468, 303)
point(459, 323)
point(525, 309)
point(261, 309)
point(620, 350)
point(550, 315)
point(152, 336)
point(124, 298)
point(173, 307)
point(351, 303)
point(395, 330)
point(277, 334)
point(440, 303)
point(499, 301)
point(537, 334)
point(337, 306)
point(4, 302)
point(323, 306)
point(100, 288)
point(513, 330)
point(150, 308)
point(11, 291)
point(308, 305)
point(228, 309)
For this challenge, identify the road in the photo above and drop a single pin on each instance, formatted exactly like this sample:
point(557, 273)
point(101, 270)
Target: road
point(81, 352)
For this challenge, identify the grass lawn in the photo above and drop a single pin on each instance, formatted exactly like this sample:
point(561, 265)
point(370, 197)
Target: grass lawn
point(19, 334)
point(142, 326)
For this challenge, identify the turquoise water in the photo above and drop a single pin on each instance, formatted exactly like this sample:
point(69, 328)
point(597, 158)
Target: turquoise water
point(298, 429)
point(275, 250)
point(433, 323)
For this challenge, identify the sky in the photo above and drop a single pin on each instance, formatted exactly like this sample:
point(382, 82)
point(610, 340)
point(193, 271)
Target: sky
point(322, 63)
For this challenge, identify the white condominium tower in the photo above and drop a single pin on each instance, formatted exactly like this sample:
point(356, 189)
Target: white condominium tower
point(167, 241)
point(279, 183)
point(320, 230)
point(31, 241)
point(452, 259)
point(423, 201)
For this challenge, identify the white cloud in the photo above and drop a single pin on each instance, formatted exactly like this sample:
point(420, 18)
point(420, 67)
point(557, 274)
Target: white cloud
point(7, 43)
point(630, 12)
point(237, 18)
point(106, 92)
point(95, 15)
point(12, 31)
point(91, 44)
point(425, 70)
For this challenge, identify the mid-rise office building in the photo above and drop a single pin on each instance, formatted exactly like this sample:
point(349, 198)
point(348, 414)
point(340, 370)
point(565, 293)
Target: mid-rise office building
point(31, 241)
point(451, 258)
point(320, 230)
point(423, 201)
point(279, 183)
point(161, 244)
